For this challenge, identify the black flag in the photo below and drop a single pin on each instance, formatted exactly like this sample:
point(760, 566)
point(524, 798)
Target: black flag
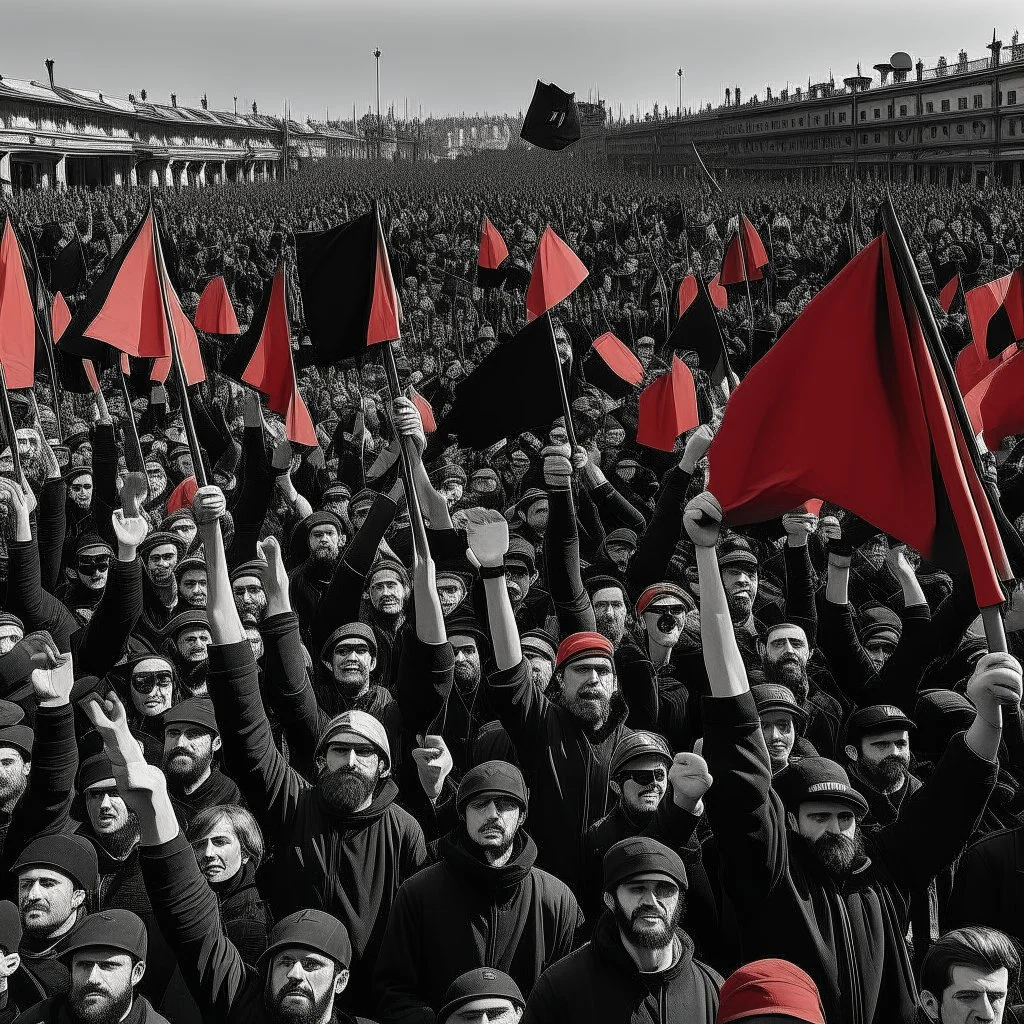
point(552, 122)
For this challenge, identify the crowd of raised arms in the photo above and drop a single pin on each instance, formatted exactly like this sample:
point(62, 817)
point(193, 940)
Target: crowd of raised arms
point(593, 756)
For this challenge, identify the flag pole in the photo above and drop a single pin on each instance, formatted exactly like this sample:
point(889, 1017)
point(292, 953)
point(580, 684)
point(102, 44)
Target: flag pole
point(991, 617)
point(45, 328)
point(198, 468)
point(566, 410)
point(746, 279)
point(132, 434)
point(8, 418)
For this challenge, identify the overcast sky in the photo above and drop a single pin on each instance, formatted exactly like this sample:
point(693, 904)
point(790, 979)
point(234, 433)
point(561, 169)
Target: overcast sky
point(472, 55)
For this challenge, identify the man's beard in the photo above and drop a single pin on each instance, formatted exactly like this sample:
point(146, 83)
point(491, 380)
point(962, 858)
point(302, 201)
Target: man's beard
point(888, 773)
point(11, 789)
point(593, 711)
point(792, 673)
point(197, 600)
point(182, 774)
point(644, 935)
point(252, 615)
point(111, 1010)
point(326, 556)
point(352, 684)
point(740, 607)
point(467, 678)
point(838, 854)
point(119, 842)
point(612, 630)
point(308, 1011)
point(346, 789)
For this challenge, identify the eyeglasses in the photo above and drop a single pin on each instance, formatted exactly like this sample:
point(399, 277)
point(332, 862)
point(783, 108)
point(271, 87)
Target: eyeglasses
point(645, 776)
point(147, 682)
point(97, 563)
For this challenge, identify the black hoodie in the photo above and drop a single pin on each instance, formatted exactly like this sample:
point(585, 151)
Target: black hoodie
point(464, 913)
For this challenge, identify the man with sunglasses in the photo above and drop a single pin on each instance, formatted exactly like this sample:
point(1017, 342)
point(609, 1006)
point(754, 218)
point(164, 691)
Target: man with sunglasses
point(88, 574)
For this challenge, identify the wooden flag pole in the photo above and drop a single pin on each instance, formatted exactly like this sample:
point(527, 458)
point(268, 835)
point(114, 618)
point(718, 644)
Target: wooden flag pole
point(566, 410)
point(198, 468)
point(8, 418)
point(132, 433)
point(45, 328)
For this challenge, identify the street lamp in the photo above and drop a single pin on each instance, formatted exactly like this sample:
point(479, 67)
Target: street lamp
point(679, 109)
point(376, 57)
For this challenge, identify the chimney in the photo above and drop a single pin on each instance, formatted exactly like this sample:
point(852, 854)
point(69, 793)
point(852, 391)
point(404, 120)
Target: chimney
point(174, 99)
point(728, 96)
point(49, 70)
point(736, 93)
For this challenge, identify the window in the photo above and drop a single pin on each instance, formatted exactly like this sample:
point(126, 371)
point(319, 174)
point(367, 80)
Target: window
point(959, 129)
point(962, 103)
point(903, 110)
point(842, 117)
point(945, 106)
point(979, 101)
point(929, 107)
point(817, 120)
point(863, 115)
point(878, 113)
point(933, 130)
point(1011, 97)
point(889, 111)
point(945, 130)
point(801, 122)
point(1012, 125)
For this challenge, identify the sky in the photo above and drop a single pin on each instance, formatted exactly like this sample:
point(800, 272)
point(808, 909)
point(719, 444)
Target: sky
point(450, 56)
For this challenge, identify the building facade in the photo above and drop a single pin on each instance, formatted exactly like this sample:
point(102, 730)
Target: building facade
point(52, 136)
point(959, 122)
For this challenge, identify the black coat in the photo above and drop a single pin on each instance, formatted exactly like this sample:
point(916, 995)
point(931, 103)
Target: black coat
point(601, 982)
point(462, 913)
point(989, 885)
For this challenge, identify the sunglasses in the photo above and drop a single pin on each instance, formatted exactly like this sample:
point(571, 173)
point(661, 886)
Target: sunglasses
point(99, 563)
point(644, 776)
point(677, 611)
point(147, 682)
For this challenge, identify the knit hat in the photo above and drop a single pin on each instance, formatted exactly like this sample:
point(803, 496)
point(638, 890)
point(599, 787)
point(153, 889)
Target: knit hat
point(583, 645)
point(539, 641)
point(640, 855)
point(364, 497)
point(186, 564)
point(360, 724)
point(73, 474)
point(178, 515)
point(602, 581)
point(350, 629)
point(769, 989)
point(10, 927)
point(159, 538)
point(20, 737)
point(817, 778)
point(386, 564)
point(529, 497)
point(71, 855)
point(310, 929)
point(523, 552)
point(467, 625)
point(776, 697)
point(254, 567)
point(196, 711)
point(440, 475)
point(638, 744)
point(479, 983)
point(337, 490)
point(493, 778)
point(622, 536)
point(879, 622)
point(93, 769)
point(736, 550)
point(9, 619)
point(322, 517)
point(109, 929)
point(659, 590)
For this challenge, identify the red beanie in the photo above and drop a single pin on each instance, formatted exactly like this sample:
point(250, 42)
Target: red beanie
point(578, 645)
point(770, 987)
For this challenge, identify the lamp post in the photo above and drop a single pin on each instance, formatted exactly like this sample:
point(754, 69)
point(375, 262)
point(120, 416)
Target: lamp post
point(376, 57)
point(679, 109)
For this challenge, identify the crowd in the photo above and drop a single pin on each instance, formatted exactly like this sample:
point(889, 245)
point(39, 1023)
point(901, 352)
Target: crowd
point(592, 756)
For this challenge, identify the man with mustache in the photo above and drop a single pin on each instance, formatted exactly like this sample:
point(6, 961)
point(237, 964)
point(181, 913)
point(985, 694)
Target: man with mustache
point(878, 755)
point(107, 957)
point(247, 589)
point(498, 910)
point(305, 967)
point(640, 964)
point(191, 576)
point(310, 580)
point(191, 739)
point(160, 553)
point(809, 884)
point(187, 640)
point(343, 844)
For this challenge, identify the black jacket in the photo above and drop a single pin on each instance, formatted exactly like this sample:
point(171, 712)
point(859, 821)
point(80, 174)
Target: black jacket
point(462, 913)
point(989, 885)
point(601, 982)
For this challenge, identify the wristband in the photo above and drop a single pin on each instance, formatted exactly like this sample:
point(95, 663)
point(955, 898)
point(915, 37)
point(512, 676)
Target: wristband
point(492, 572)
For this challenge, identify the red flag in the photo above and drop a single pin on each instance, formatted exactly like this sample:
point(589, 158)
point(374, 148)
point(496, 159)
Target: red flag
point(90, 376)
point(687, 292)
point(17, 316)
point(668, 408)
point(132, 315)
point(813, 506)
point(738, 266)
point(182, 495)
point(949, 290)
point(215, 314)
point(791, 431)
point(619, 359)
point(982, 303)
point(557, 273)
point(973, 377)
point(1002, 408)
point(385, 310)
point(271, 369)
point(426, 412)
point(493, 251)
point(60, 317)
point(719, 296)
point(188, 343)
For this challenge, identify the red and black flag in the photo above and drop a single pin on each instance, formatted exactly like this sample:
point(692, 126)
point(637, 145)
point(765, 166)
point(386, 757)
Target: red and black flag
point(68, 269)
point(513, 390)
point(188, 345)
point(744, 256)
point(124, 308)
point(951, 295)
point(890, 429)
point(17, 315)
point(982, 304)
point(215, 314)
point(610, 366)
point(557, 273)
point(1006, 326)
point(552, 122)
point(234, 363)
point(1001, 409)
point(698, 330)
point(272, 371)
point(668, 408)
point(348, 292)
point(491, 265)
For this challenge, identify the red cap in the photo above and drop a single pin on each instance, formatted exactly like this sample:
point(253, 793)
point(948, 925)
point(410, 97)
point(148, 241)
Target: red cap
point(578, 645)
point(774, 987)
point(656, 590)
